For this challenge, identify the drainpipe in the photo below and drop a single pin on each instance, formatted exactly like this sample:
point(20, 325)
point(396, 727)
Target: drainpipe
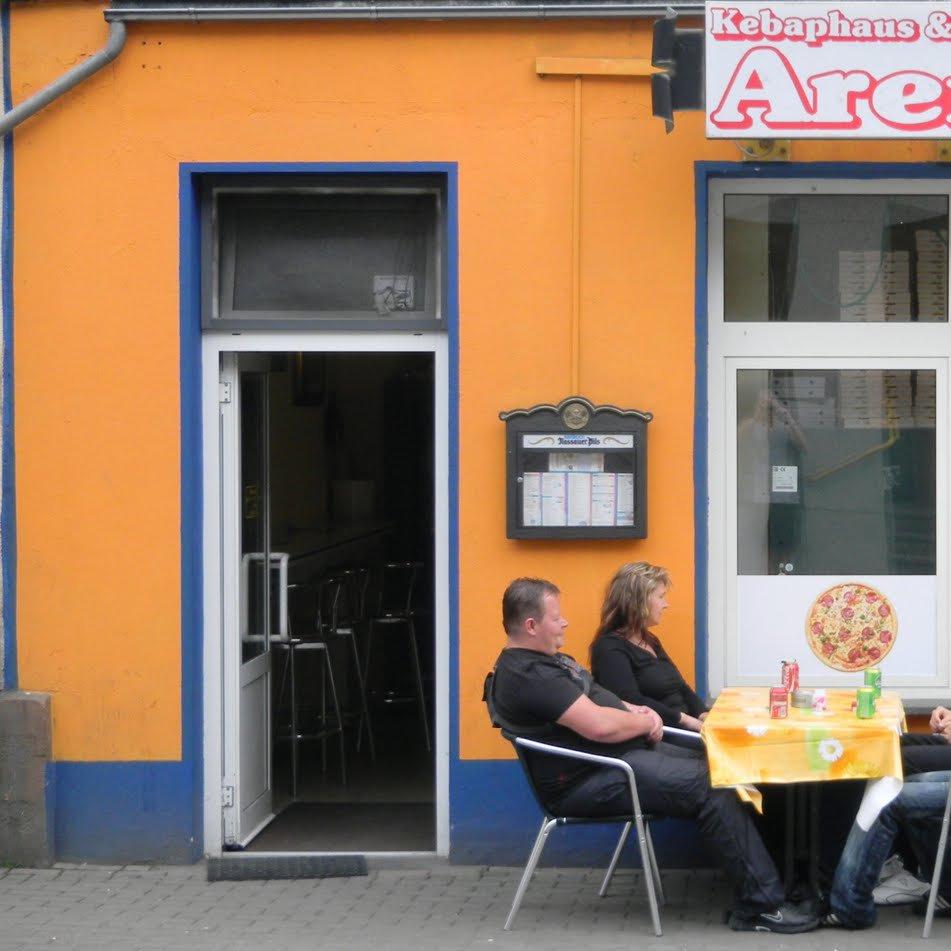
point(27, 108)
point(398, 10)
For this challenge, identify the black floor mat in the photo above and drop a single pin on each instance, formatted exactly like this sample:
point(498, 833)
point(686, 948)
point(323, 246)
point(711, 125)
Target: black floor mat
point(235, 868)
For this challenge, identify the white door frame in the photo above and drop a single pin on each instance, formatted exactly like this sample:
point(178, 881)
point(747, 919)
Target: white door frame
point(805, 345)
point(213, 656)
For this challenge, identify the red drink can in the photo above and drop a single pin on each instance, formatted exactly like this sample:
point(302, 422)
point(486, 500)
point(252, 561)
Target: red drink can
point(778, 702)
point(790, 675)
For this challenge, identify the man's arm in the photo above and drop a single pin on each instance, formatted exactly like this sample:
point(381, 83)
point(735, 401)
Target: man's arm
point(609, 725)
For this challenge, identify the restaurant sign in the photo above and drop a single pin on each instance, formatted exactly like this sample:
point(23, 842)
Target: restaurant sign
point(828, 71)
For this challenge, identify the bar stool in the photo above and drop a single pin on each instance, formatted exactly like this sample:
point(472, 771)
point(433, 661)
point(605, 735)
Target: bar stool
point(394, 609)
point(341, 608)
point(309, 642)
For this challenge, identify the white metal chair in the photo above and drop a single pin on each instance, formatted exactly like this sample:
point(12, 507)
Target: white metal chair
point(938, 864)
point(636, 818)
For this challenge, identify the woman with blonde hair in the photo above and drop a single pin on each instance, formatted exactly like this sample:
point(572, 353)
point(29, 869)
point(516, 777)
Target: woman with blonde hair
point(628, 658)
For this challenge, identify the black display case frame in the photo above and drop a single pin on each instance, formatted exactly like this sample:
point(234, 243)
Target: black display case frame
point(574, 429)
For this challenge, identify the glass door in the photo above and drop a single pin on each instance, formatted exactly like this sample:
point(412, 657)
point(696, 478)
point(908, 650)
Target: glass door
point(835, 516)
point(247, 798)
point(827, 464)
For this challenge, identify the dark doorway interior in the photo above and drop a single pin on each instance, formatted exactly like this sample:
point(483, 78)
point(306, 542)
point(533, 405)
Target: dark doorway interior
point(352, 504)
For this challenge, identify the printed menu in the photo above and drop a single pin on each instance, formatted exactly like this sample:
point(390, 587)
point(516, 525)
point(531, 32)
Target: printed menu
point(577, 499)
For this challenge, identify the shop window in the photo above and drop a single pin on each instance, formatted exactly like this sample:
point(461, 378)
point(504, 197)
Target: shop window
point(336, 255)
point(836, 471)
point(835, 258)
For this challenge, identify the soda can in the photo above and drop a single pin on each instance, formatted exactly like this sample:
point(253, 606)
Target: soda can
point(790, 675)
point(873, 679)
point(865, 703)
point(778, 702)
point(819, 700)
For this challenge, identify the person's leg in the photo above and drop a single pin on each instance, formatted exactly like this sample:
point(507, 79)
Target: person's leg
point(840, 801)
point(674, 782)
point(924, 753)
point(865, 851)
point(922, 822)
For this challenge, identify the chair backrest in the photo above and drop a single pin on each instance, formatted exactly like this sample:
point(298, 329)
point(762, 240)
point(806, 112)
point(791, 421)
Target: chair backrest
point(301, 609)
point(397, 583)
point(331, 602)
point(523, 760)
point(357, 582)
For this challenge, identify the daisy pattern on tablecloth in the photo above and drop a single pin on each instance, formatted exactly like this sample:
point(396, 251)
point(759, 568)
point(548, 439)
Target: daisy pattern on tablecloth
point(830, 750)
point(757, 729)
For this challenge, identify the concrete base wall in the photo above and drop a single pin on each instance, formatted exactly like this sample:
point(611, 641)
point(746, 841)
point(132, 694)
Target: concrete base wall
point(26, 794)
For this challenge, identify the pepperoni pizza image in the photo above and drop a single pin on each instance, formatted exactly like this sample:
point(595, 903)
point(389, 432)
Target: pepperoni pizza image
point(851, 626)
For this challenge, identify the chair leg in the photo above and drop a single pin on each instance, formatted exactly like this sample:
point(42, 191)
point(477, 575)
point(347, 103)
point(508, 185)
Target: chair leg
point(323, 711)
point(614, 860)
point(655, 868)
point(364, 709)
point(295, 730)
point(336, 705)
point(419, 683)
point(648, 878)
point(938, 865)
point(366, 659)
point(536, 854)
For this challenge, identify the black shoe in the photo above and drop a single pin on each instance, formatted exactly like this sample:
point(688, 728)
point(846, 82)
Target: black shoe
point(786, 919)
point(830, 920)
point(817, 904)
point(942, 907)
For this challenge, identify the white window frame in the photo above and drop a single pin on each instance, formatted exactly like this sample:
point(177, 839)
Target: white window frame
point(762, 345)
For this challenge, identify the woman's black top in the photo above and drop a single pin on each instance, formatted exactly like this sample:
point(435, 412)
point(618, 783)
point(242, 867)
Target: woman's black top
point(638, 677)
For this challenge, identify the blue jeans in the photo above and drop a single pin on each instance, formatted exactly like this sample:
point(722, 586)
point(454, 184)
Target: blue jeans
point(918, 809)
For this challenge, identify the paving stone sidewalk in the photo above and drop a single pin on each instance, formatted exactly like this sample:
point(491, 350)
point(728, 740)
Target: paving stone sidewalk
point(430, 906)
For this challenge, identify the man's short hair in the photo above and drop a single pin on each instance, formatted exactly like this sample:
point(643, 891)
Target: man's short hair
point(524, 598)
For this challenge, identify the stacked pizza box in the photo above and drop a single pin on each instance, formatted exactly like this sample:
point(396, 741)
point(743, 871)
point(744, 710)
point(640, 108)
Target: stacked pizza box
point(874, 286)
point(805, 396)
point(925, 399)
point(932, 259)
point(876, 399)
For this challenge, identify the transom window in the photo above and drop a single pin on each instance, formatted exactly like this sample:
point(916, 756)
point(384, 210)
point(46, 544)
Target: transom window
point(339, 252)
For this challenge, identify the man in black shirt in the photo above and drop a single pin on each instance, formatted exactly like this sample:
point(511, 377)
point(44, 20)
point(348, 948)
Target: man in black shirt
point(545, 695)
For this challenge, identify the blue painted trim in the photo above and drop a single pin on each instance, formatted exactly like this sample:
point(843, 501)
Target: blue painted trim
point(500, 820)
point(317, 168)
point(191, 501)
point(190, 174)
point(452, 327)
point(866, 171)
point(701, 503)
point(138, 812)
point(8, 510)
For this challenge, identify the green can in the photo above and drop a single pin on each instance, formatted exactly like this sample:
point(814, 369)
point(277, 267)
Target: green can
point(873, 679)
point(865, 702)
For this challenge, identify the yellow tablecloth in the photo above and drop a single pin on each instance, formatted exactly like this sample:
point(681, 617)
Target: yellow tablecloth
point(745, 745)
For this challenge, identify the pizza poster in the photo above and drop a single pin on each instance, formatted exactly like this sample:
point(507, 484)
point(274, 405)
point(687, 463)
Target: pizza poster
point(837, 626)
point(828, 70)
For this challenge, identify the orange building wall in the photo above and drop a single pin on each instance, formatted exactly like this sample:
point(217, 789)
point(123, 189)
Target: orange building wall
point(96, 310)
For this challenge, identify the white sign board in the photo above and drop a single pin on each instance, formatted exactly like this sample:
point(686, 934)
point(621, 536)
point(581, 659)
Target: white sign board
point(828, 70)
point(771, 627)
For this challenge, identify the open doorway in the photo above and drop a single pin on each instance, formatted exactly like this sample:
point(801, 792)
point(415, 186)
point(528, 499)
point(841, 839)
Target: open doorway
point(336, 526)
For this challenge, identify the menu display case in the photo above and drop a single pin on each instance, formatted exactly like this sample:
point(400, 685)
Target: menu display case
point(576, 470)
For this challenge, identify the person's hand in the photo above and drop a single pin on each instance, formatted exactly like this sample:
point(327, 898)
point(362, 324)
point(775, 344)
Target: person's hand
point(703, 716)
point(940, 718)
point(690, 723)
point(656, 732)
